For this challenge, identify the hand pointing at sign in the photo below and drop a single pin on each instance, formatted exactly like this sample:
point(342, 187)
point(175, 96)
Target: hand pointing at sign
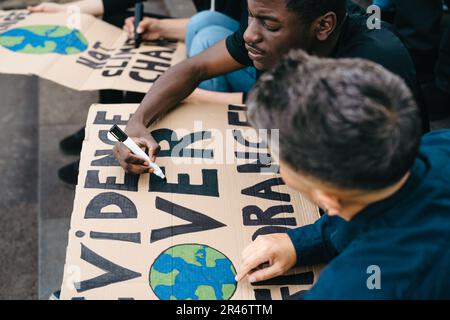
point(276, 250)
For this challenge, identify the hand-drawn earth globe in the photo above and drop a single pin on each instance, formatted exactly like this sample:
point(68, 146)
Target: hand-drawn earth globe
point(44, 39)
point(192, 272)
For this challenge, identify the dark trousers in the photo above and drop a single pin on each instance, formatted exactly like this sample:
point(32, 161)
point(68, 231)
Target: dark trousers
point(417, 23)
point(443, 65)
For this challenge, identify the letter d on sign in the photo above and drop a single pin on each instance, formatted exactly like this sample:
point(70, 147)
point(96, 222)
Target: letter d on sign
point(374, 280)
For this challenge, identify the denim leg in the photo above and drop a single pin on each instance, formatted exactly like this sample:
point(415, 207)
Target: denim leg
point(242, 80)
point(237, 81)
point(205, 19)
point(204, 30)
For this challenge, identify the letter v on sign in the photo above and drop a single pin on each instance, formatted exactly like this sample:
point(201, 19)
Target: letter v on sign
point(199, 221)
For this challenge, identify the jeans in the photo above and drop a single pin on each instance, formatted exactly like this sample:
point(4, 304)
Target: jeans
point(207, 28)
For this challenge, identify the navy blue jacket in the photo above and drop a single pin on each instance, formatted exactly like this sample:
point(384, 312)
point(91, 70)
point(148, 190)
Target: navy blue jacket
point(401, 244)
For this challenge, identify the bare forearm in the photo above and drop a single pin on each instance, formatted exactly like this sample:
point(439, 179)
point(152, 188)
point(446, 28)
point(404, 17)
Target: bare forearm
point(173, 28)
point(177, 83)
point(205, 96)
point(170, 89)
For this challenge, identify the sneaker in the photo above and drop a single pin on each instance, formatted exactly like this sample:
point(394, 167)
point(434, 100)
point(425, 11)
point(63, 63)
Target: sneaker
point(72, 144)
point(55, 295)
point(69, 173)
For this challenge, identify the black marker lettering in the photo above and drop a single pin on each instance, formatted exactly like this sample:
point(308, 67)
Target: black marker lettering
point(286, 295)
point(263, 157)
point(98, 55)
point(262, 218)
point(269, 230)
point(233, 120)
point(121, 66)
point(258, 167)
point(199, 221)
point(91, 64)
point(237, 135)
point(178, 147)
point(98, 45)
point(159, 54)
point(135, 75)
point(130, 184)
point(262, 294)
point(126, 237)
point(151, 66)
point(209, 188)
point(100, 118)
point(112, 73)
point(103, 136)
point(94, 208)
point(108, 159)
point(264, 190)
point(114, 273)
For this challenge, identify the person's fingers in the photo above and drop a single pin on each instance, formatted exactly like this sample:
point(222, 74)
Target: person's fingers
point(153, 152)
point(152, 146)
point(130, 162)
point(265, 273)
point(130, 20)
point(133, 159)
point(129, 26)
point(141, 142)
point(149, 30)
point(145, 24)
point(136, 169)
point(251, 263)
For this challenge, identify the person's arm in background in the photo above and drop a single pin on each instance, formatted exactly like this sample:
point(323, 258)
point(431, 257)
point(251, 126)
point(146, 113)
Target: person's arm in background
point(93, 7)
point(154, 29)
point(175, 85)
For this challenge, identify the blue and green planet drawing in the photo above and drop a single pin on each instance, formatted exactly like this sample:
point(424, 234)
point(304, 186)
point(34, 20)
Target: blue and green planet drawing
point(44, 39)
point(192, 272)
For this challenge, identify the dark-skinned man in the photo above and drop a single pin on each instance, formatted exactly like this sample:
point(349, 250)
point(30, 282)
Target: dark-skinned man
point(320, 27)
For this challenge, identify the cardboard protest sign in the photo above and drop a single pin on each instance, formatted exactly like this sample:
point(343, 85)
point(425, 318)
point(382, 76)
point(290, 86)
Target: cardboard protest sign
point(92, 57)
point(142, 237)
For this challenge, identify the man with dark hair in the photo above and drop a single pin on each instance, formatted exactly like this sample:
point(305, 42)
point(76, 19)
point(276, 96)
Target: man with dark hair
point(349, 141)
point(320, 27)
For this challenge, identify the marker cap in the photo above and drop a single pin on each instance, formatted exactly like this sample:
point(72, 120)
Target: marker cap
point(118, 133)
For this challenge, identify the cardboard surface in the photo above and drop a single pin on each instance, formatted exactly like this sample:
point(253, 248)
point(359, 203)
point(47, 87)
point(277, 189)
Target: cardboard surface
point(123, 227)
point(97, 56)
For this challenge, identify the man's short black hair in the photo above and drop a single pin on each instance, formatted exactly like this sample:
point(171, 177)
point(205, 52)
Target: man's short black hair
point(310, 10)
point(346, 122)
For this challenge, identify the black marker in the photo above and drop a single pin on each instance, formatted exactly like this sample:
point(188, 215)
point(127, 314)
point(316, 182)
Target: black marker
point(138, 14)
point(122, 137)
